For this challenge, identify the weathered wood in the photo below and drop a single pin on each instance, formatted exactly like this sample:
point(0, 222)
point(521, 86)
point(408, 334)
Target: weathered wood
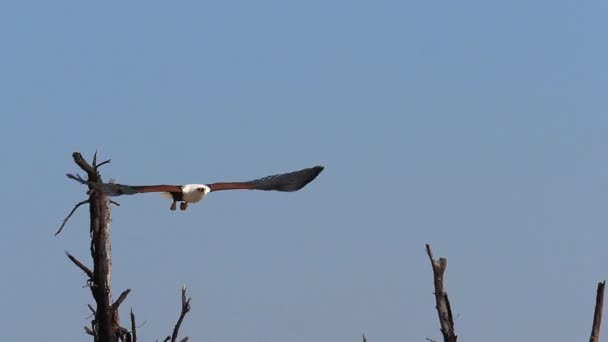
point(67, 218)
point(185, 310)
point(101, 252)
point(133, 327)
point(597, 314)
point(80, 265)
point(105, 327)
point(444, 310)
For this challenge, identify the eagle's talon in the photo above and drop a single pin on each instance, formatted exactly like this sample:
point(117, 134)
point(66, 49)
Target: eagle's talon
point(173, 206)
point(183, 206)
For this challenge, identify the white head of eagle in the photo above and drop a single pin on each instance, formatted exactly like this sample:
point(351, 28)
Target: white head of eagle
point(195, 192)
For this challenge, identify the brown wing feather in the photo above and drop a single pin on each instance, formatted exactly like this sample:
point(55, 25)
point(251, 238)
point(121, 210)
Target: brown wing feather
point(231, 186)
point(156, 188)
point(113, 189)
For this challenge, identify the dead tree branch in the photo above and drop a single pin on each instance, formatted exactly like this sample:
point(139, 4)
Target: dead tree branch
point(80, 265)
point(133, 327)
point(102, 163)
point(67, 218)
point(88, 331)
point(444, 310)
point(597, 314)
point(185, 310)
point(121, 299)
point(105, 327)
point(86, 167)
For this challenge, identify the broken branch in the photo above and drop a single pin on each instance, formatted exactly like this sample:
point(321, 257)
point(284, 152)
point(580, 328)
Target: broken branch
point(121, 299)
point(597, 314)
point(77, 178)
point(86, 167)
point(89, 331)
point(65, 220)
point(97, 166)
point(444, 310)
point(80, 265)
point(133, 327)
point(185, 310)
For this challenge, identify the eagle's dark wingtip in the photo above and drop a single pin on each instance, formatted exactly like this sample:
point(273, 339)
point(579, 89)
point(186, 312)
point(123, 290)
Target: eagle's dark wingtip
point(305, 176)
point(292, 181)
point(316, 171)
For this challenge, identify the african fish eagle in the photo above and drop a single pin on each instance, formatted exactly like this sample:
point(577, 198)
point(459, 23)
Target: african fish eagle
point(192, 193)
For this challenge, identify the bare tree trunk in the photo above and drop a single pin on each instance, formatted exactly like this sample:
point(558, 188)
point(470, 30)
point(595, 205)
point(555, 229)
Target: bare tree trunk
point(441, 298)
point(101, 252)
point(106, 325)
point(597, 315)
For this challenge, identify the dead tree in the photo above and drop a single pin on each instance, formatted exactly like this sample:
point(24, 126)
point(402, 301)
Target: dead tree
point(597, 314)
point(444, 311)
point(105, 326)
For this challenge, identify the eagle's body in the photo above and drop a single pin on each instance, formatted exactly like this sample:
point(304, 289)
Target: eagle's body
point(193, 193)
point(189, 193)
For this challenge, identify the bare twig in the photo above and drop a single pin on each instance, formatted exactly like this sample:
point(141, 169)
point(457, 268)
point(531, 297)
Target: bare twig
point(65, 220)
point(77, 178)
point(444, 310)
point(80, 265)
point(115, 203)
point(597, 314)
point(121, 299)
point(97, 166)
point(185, 309)
point(86, 167)
point(430, 340)
point(133, 327)
point(92, 310)
point(185, 339)
point(89, 331)
point(123, 334)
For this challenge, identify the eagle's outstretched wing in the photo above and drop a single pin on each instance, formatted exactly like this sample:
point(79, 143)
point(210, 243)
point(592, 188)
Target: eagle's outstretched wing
point(292, 181)
point(114, 189)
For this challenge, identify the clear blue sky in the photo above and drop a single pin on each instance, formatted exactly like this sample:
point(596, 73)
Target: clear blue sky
point(479, 127)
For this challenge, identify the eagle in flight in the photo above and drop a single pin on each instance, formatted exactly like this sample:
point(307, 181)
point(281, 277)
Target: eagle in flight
point(192, 193)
